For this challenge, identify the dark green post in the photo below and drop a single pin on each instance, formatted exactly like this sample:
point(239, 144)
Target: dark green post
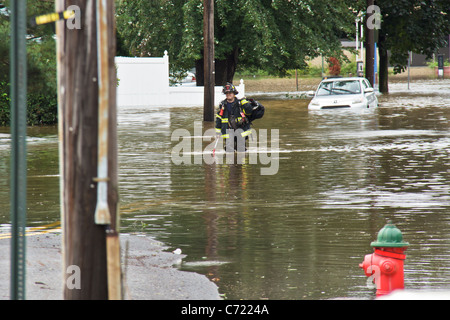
point(18, 78)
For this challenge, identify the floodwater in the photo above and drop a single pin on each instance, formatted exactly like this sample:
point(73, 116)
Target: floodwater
point(300, 230)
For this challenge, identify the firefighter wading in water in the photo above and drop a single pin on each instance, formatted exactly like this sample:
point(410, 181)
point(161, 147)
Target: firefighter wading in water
point(234, 118)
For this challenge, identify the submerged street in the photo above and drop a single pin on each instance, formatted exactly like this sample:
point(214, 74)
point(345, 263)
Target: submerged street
point(299, 233)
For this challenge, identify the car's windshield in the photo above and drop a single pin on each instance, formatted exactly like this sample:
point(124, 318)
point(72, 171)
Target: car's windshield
point(339, 87)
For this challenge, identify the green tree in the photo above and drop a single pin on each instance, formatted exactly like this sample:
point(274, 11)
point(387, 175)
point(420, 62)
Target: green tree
point(272, 35)
point(410, 25)
point(41, 56)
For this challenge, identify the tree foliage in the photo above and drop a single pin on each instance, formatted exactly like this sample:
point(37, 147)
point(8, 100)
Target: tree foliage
point(411, 25)
point(272, 35)
point(41, 68)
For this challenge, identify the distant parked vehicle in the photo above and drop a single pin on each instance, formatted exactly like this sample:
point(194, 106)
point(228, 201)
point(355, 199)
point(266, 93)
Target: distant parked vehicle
point(183, 78)
point(190, 77)
point(340, 93)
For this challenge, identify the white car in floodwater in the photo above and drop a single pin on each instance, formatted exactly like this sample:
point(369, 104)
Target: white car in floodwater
point(339, 93)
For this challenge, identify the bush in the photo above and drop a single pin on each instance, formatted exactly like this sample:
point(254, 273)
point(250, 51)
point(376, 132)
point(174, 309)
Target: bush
point(312, 71)
point(4, 104)
point(434, 64)
point(349, 68)
point(42, 108)
point(334, 67)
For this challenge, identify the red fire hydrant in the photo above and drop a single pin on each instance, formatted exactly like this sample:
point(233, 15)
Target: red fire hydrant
point(385, 265)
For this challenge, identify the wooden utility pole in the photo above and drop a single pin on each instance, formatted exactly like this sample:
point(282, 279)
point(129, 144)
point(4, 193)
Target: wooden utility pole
point(370, 47)
point(85, 241)
point(208, 58)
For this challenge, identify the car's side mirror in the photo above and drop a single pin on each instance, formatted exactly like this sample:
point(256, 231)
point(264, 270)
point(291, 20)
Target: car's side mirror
point(368, 90)
point(310, 93)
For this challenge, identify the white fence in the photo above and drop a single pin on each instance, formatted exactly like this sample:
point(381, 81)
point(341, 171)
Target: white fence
point(145, 82)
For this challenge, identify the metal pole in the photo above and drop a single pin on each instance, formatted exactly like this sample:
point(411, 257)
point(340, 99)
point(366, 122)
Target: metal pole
point(322, 67)
point(357, 37)
point(409, 66)
point(375, 64)
point(361, 37)
point(18, 74)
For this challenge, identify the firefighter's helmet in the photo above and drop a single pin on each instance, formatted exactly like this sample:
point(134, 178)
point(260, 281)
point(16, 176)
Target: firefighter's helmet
point(229, 88)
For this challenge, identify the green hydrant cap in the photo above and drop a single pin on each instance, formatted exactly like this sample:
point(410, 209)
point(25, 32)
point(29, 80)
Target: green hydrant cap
point(389, 236)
